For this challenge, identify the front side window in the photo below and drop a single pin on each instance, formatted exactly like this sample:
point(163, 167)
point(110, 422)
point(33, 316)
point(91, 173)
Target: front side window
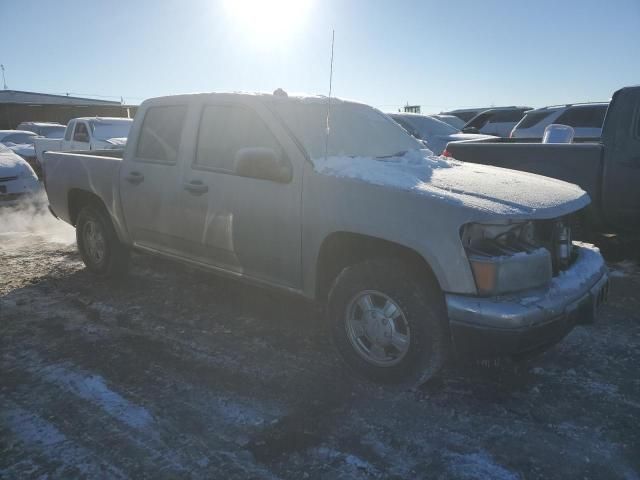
point(225, 129)
point(159, 138)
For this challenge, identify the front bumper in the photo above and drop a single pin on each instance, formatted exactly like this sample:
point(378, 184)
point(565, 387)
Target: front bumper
point(533, 319)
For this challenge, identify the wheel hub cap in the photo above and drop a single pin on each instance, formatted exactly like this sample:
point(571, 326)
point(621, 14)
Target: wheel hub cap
point(377, 328)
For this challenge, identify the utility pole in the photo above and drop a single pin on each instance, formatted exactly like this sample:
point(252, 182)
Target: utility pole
point(4, 80)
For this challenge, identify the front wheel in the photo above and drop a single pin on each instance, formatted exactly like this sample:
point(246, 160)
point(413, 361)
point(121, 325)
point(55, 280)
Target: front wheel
point(387, 324)
point(99, 246)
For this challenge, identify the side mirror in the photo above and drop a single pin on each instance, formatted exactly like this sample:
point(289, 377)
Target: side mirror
point(263, 163)
point(470, 130)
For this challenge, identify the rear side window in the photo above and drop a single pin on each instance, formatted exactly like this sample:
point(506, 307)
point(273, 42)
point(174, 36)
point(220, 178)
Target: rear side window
point(159, 138)
point(506, 116)
point(225, 129)
point(480, 120)
point(586, 117)
point(532, 119)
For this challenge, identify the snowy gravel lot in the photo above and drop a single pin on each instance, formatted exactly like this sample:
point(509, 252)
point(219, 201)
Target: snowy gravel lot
point(172, 373)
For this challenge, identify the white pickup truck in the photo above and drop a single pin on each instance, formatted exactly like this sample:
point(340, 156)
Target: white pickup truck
point(87, 133)
point(414, 256)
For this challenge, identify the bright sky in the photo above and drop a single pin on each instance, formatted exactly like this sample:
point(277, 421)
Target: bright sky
point(440, 54)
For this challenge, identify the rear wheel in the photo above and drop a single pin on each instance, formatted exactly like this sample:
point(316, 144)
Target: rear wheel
point(99, 246)
point(387, 324)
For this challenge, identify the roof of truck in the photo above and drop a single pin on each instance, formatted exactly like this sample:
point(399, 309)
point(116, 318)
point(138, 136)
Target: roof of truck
point(103, 119)
point(277, 95)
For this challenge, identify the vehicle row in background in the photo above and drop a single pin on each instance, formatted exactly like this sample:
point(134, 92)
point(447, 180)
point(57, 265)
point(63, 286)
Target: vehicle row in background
point(90, 133)
point(433, 132)
point(586, 119)
point(607, 168)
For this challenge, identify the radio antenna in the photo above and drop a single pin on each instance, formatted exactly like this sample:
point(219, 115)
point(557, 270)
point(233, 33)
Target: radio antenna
point(326, 143)
point(4, 80)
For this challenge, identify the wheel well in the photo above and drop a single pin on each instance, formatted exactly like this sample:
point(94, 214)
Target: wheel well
point(342, 249)
point(78, 199)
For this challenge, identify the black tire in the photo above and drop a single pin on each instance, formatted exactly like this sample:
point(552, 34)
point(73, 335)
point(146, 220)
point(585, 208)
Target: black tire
point(422, 305)
point(114, 261)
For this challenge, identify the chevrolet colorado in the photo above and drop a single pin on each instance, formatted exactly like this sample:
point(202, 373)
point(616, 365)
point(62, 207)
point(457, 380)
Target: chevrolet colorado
point(414, 256)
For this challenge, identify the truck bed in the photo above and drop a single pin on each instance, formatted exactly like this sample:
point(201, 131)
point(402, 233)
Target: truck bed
point(579, 163)
point(93, 171)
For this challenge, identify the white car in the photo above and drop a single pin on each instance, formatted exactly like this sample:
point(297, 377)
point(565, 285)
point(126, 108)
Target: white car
point(89, 133)
point(435, 133)
point(586, 119)
point(18, 181)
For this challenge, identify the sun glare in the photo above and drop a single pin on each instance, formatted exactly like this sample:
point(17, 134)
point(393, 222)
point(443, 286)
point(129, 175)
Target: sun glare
point(267, 22)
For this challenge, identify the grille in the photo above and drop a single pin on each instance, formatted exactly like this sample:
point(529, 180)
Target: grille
point(8, 179)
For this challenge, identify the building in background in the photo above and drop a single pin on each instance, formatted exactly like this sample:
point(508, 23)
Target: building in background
point(17, 106)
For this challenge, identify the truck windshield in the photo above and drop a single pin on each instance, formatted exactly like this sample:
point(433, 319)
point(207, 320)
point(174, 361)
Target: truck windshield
point(113, 129)
point(355, 130)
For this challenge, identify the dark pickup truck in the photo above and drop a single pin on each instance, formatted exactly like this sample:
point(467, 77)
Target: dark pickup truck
point(609, 170)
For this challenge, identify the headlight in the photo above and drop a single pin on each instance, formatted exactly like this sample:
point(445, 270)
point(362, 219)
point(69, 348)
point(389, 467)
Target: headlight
point(504, 258)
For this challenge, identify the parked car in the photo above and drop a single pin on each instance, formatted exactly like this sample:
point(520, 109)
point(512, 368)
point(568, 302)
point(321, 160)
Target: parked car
point(496, 121)
point(434, 133)
point(44, 129)
point(608, 170)
point(452, 120)
point(18, 181)
point(21, 142)
point(586, 119)
point(91, 133)
point(413, 255)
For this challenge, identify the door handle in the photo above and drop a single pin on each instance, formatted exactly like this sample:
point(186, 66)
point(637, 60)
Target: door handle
point(134, 177)
point(196, 187)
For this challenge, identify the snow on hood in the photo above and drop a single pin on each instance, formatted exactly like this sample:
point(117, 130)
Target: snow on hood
point(10, 163)
point(480, 187)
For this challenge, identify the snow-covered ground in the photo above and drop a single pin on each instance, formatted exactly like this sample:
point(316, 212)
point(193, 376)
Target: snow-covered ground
point(172, 373)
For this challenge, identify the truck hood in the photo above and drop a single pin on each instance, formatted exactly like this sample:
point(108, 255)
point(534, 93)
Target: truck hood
point(119, 141)
point(466, 185)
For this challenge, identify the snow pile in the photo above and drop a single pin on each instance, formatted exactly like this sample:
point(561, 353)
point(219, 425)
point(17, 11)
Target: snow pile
point(588, 263)
point(482, 187)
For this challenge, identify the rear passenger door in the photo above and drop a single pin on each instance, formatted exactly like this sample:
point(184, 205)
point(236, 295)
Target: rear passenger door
point(150, 179)
point(247, 226)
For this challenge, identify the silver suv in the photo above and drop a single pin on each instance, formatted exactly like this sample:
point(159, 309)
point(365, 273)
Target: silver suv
point(585, 118)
